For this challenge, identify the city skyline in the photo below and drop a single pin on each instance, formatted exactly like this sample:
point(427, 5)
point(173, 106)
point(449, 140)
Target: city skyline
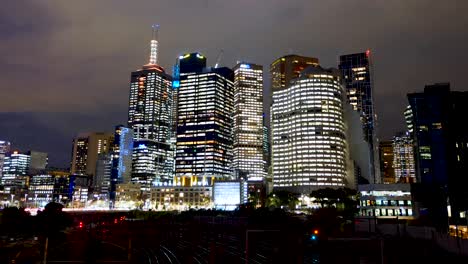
point(418, 53)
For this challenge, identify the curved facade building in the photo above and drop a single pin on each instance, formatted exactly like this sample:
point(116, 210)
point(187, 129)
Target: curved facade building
point(308, 133)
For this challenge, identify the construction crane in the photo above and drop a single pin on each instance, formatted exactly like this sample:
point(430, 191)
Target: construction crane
point(218, 59)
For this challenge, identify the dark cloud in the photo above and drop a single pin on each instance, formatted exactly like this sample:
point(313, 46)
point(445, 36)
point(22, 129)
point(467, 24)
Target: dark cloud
point(75, 57)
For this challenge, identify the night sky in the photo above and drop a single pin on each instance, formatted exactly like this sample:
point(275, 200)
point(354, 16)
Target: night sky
point(65, 65)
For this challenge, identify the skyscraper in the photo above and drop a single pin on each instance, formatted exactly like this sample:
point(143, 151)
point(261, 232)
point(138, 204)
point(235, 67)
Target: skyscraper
point(357, 77)
point(403, 158)
point(102, 177)
point(308, 133)
point(248, 162)
point(441, 145)
point(150, 117)
point(121, 158)
point(15, 172)
point(4, 149)
point(204, 122)
point(39, 162)
point(86, 148)
point(386, 161)
point(283, 70)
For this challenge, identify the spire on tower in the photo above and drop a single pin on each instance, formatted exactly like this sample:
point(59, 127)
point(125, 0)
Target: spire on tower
point(154, 45)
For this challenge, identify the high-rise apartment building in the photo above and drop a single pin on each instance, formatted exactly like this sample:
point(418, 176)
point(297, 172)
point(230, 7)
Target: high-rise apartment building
point(150, 117)
point(386, 161)
point(309, 146)
point(440, 137)
point(204, 122)
point(248, 162)
point(85, 151)
point(357, 78)
point(403, 158)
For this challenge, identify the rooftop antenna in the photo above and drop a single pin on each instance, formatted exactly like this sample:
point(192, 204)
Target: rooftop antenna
point(154, 45)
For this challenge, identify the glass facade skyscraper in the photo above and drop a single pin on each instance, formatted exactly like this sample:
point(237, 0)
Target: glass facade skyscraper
point(204, 122)
point(309, 146)
point(121, 158)
point(248, 160)
point(440, 135)
point(357, 78)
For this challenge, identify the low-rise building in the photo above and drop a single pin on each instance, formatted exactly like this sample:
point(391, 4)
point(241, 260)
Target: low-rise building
point(180, 197)
point(41, 190)
point(386, 201)
point(228, 195)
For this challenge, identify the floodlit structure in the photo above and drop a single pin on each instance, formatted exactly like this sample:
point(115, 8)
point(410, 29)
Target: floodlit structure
point(309, 146)
point(248, 160)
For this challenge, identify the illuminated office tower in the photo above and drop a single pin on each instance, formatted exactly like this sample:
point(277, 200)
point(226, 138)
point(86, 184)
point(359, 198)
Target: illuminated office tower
point(248, 162)
point(204, 122)
point(15, 172)
point(283, 70)
point(86, 149)
point(4, 149)
point(403, 158)
point(150, 117)
point(309, 146)
point(356, 72)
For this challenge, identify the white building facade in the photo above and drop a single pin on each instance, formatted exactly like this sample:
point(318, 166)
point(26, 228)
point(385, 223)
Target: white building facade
point(309, 149)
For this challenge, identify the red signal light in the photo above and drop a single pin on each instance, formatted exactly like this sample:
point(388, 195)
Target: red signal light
point(81, 225)
point(316, 232)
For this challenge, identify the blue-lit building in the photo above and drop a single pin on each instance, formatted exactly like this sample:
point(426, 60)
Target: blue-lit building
point(204, 122)
point(121, 158)
point(440, 135)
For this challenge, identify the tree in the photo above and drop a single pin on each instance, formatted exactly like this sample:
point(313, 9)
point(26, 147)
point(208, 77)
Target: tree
point(53, 220)
point(282, 199)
